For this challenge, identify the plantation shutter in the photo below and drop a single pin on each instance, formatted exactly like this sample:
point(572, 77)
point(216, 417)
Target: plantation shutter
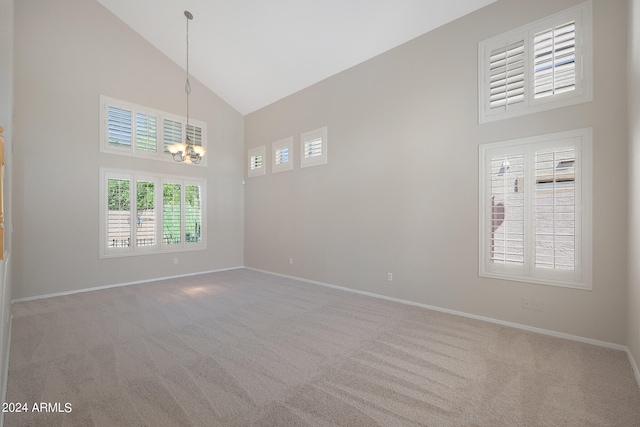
point(195, 134)
point(193, 214)
point(507, 209)
point(119, 127)
point(313, 147)
point(256, 162)
point(506, 75)
point(282, 155)
point(145, 213)
point(146, 132)
point(118, 213)
point(172, 216)
point(554, 67)
point(172, 133)
point(555, 209)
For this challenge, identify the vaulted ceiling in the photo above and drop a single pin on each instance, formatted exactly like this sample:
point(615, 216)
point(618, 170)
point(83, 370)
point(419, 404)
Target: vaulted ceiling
point(254, 52)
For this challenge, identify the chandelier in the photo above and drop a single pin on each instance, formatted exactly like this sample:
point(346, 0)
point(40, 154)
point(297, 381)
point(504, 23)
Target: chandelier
point(185, 151)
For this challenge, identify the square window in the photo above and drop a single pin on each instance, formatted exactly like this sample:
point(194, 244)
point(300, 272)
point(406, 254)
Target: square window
point(256, 162)
point(313, 148)
point(544, 65)
point(282, 155)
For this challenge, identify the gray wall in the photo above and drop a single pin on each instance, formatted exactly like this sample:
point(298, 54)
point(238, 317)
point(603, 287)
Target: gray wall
point(633, 324)
point(400, 191)
point(68, 53)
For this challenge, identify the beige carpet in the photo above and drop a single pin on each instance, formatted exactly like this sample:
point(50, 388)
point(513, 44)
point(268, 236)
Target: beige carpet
point(242, 348)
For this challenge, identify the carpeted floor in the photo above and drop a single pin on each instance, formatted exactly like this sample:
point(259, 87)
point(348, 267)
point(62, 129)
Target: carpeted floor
point(243, 348)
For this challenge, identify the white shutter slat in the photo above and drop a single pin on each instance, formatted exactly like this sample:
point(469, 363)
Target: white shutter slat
point(195, 134)
point(256, 162)
point(119, 127)
point(506, 75)
point(172, 133)
point(146, 132)
point(313, 148)
point(554, 68)
point(555, 211)
point(507, 209)
point(282, 155)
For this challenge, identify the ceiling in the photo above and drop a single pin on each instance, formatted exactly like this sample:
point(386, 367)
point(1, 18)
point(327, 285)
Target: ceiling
point(252, 53)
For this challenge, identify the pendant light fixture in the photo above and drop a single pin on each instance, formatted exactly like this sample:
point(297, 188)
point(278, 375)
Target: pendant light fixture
point(185, 151)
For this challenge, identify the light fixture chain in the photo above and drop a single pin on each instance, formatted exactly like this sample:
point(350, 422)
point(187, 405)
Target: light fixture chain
point(187, 86)
point(187, 152)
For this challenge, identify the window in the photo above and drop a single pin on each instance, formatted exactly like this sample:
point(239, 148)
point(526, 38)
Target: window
point(537, 67)
point(134, 130)
point(256, 159)
point(193, 213)
point(313, 148)
point(146, 212)
point(535, 209)
point(171, 213)
point(281, 154)
point(142, 213)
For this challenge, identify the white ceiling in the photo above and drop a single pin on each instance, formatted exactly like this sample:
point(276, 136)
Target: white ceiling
point(252, 53)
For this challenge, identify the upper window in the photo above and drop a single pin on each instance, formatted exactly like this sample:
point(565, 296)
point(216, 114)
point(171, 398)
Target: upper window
point(537, 67)
point(313, 148)
point(535, 209)
point(256, 161)
point(139, 131)
point(142, 213)
point(281, 155)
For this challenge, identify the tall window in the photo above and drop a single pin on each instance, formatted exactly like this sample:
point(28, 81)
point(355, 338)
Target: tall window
point(172, 214)
point(540, 66)
point(134, 130)
point(119, 212)
point(193, 213)
point(145, 213)
point(132, 222)
point(535, 209)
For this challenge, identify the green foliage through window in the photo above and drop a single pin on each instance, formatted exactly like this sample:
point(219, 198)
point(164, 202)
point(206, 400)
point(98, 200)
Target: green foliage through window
point(171, 213)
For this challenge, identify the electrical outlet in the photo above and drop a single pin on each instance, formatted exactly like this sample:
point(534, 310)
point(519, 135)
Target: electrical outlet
point(538, 305)
point(290, 260)
point(390, 277)
point(175, 260)
point(527, 304)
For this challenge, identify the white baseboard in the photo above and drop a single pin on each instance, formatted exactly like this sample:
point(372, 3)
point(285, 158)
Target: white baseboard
point(137, 282)
point(634, 365)
point(463, 314)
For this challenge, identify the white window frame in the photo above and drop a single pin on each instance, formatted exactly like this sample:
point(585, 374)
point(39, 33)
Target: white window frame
point(159, 154)
point(159, 180)
point(252, 155)
point(312, 135)
point(582, 15)
point(276, 153)
point(581, 277)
